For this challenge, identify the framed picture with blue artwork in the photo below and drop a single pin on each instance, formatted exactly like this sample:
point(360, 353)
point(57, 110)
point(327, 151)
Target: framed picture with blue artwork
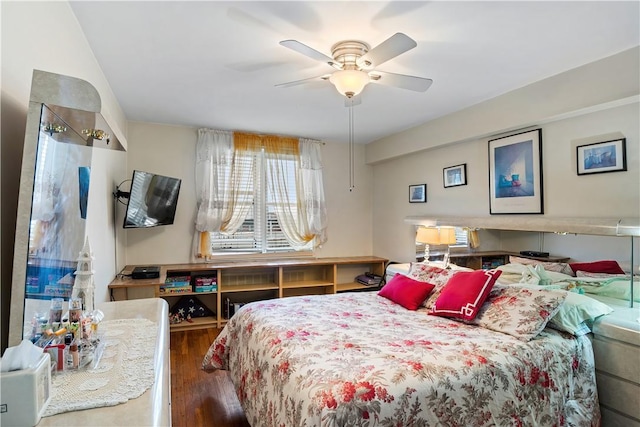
point(454, 176)
point(418, 193)
point(600, 157)
point(515, 174)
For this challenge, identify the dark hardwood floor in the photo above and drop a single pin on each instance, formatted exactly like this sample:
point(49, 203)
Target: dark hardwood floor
point(199, 398)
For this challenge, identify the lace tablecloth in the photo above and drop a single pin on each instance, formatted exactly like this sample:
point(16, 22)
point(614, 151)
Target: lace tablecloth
point(124, 372)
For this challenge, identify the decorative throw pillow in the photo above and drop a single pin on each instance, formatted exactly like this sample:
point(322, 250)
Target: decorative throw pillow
point(406, 291)
point(464, 294)
point(436, 276)
point(558, 267)
point(424, 272)
point(607, 266)
point(188, 307)
point(519, 311)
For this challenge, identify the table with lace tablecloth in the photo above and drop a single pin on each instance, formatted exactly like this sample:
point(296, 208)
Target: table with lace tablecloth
point(124, 370)
point(130, 383)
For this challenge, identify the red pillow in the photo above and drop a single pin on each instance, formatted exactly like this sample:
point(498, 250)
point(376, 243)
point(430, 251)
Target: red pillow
point(609, 266)
point(406, 291)
point(464, 294)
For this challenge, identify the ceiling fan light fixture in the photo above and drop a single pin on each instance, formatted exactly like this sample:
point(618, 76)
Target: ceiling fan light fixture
point(349, 82)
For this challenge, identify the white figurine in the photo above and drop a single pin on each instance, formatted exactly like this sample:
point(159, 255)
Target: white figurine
point(83, 288)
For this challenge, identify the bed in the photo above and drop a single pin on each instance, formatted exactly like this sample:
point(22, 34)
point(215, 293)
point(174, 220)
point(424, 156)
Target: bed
point(361, 359)
point(615, 335)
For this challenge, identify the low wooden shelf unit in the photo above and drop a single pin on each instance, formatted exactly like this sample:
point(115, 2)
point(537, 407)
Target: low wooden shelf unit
point(245, 281)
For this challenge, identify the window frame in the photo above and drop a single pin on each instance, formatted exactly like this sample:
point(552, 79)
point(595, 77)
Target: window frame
point(262, 219)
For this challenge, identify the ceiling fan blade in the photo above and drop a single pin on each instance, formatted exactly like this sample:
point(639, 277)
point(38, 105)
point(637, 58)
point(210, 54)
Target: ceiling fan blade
point(303, 81)
point(418, 84)
point(310, 52)
point(390, 48)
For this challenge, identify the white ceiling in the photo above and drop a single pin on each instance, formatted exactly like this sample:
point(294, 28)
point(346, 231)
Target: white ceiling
point(214, 64)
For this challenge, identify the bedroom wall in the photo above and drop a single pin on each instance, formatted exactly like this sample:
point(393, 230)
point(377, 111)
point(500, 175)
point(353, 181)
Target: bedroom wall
point(44, 36)
point(170, 150)
point(589, 87)
point(565, 193)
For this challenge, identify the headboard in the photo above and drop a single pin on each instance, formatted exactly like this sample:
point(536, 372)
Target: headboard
point(613, 227)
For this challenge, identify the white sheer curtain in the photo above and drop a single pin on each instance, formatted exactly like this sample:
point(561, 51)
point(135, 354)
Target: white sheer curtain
point(223, 187)
point(311, 189)
point(44, 199)
point(225, 164)
point(46, 192)
point(301, 211)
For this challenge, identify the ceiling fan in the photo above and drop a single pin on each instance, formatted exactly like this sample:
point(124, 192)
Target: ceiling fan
point(356, 64)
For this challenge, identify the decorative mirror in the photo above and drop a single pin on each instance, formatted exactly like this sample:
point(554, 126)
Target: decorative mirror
point(63, 127)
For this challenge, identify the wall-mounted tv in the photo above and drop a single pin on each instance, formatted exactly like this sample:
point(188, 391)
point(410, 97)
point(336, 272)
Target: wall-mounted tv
point(152, 200)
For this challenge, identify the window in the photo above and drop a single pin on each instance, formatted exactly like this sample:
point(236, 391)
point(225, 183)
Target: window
point(462, 238)
point(261, 232)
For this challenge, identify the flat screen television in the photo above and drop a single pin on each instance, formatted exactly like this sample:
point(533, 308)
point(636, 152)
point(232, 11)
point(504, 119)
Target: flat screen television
point(152, 200)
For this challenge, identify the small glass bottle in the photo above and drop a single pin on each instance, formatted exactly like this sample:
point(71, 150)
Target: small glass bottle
point(55, 312)
point(75, 310)
point(74, 353)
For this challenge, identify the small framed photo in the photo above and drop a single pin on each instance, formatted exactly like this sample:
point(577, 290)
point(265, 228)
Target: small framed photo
point(454, 176)
point(600, 157)
point(418, 193)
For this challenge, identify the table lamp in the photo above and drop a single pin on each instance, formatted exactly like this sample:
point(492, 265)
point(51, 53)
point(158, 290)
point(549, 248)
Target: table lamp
point(428, 236)
point(447, 237)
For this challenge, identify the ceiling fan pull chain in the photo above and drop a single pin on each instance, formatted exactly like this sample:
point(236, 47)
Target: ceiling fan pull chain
point(351, 148)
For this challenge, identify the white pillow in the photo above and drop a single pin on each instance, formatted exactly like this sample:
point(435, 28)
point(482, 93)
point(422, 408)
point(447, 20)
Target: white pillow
point(576, 311)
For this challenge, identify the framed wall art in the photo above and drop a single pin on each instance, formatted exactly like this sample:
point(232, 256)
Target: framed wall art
point(515, 174)
point(600, 157)
point(418, 193)
point(454, 176)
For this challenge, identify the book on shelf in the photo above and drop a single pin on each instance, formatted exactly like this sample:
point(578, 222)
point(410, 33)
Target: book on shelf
point(177, 279)
point(175, 289)
point(200, 281)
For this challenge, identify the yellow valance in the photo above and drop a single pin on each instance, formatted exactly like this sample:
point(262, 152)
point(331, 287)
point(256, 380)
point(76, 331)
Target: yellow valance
point(271, 143)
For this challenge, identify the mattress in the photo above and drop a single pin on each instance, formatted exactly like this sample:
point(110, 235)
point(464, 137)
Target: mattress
point(392, 269)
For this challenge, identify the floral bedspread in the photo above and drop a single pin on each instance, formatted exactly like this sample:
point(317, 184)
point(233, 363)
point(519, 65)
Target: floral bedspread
point(357, 359)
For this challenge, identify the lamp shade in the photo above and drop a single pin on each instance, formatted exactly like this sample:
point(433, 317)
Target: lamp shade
point(349, 82)
point(429, 236)
point(447, 236)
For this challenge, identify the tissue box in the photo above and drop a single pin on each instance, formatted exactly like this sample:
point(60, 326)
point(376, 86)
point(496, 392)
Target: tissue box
point(25, 394)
